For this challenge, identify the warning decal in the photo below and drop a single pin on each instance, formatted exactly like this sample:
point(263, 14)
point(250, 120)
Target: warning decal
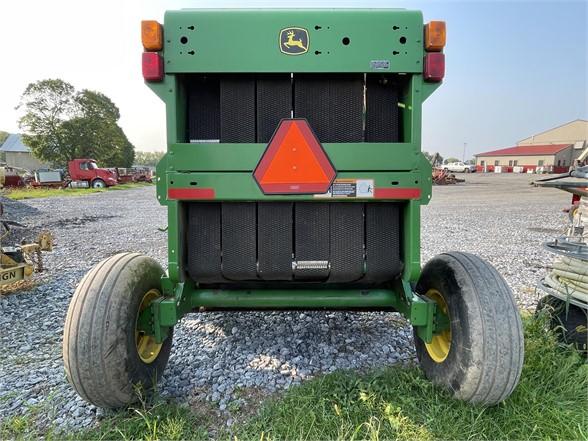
point(349, 188)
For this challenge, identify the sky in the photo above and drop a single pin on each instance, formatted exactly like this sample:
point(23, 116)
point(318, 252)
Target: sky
point(513, 69)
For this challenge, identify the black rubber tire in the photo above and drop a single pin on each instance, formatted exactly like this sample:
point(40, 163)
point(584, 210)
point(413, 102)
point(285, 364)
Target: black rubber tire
point(571, 326)
point(98, 183)
point(485, 358)
point(99, 349)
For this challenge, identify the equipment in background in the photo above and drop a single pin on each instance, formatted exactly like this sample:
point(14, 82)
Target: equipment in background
point(81, 173)
point(133, 174)
point(442, 176)
point(19, 262)
point(48, 178)
point(12, 177)
point(566, 284)
point(86, 173)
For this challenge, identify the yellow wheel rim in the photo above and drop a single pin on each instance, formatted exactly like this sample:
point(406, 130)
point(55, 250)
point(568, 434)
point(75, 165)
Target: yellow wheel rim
point(439, 347)
point(147, 348)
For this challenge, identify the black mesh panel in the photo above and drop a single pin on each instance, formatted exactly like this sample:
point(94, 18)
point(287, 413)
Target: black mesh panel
point(274, 240)
point(334, 242)
point(203, 109)
point(382, 120)
point(311, 239)
point(347, 237)
point(274, 102)
point(239, 241)
point(204, 242)
point(237, 109)
point(382, 242)
point(333, 105)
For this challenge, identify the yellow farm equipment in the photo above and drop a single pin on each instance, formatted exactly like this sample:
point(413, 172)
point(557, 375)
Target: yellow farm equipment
point(19, 262)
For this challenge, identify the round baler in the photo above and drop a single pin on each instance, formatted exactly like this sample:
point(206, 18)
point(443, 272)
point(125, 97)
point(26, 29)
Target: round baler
point(293, 180)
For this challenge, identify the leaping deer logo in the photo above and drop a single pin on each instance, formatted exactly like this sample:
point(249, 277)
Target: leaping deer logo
point(294, 41)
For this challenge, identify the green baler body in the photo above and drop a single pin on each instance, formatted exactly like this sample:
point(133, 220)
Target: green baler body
point(365, 42)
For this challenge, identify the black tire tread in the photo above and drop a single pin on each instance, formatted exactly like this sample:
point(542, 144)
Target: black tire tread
point(490, 369)
point(98, 343)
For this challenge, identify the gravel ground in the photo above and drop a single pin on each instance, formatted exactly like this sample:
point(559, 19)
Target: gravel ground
point(501, 218)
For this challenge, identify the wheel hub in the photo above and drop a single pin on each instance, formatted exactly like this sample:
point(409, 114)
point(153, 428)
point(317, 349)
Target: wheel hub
point(440, 345)
point(147, 347)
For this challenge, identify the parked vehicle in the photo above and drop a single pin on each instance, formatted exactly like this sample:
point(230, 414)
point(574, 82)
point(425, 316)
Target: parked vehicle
point(133, 174)
point(459, 167)
point(86, 173)
point(14, 176)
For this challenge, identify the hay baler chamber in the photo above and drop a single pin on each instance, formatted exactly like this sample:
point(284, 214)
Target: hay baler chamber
point(293, 179)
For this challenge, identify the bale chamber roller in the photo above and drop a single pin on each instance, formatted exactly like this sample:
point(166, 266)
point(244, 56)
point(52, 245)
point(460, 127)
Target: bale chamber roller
point(293, 179)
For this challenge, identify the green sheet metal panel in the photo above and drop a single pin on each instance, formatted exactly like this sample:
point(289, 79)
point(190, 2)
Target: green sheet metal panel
point(342, 40)
point(211, 41)
point(345, 157)
point(238, 186)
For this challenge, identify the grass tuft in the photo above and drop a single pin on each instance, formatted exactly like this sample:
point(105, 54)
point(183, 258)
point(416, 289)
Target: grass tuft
point(18, 194)
point(160, 421)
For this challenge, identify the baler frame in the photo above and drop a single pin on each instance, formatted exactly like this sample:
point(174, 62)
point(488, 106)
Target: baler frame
point(223, 171)
point(244, 236)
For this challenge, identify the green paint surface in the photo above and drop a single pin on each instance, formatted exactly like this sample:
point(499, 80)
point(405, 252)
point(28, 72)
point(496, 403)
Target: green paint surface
point(248, 41)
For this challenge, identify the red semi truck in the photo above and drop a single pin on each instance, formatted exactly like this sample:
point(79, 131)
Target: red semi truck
point(81, 173)
point(87, 173)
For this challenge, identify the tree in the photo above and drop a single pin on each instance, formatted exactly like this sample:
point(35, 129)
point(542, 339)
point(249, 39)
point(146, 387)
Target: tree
point(62, 124)
point(148, 158)
point(47, 104)
point(451, 159)
point(3, 137)
point(433, 157)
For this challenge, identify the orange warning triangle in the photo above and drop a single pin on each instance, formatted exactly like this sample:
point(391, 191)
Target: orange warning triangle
point(294, 161)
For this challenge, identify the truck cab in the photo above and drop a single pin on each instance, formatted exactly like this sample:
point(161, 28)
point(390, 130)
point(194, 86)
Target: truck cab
point(87, 171)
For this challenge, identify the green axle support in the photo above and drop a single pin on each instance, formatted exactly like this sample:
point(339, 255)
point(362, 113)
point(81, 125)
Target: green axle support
point(164, 313)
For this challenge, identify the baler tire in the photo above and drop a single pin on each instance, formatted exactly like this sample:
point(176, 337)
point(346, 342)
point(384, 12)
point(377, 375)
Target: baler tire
point(98, 183)
point(100, 352)
point(485, 358)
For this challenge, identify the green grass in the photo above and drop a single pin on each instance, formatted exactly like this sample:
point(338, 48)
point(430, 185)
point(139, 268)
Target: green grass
point(44, 192)
point(399, 403)
point(551, 402)
point(163, 421)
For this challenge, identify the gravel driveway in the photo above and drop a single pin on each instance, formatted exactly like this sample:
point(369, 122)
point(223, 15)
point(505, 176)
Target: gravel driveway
point(500, 218)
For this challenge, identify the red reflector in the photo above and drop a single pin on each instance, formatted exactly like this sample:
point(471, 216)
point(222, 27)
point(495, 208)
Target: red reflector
point(190, 193)
point(434, 66)
point(397, 193)
point(152, 66)
point(294, 161)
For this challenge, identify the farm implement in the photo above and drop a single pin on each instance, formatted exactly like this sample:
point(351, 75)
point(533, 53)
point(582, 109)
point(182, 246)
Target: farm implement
point(293, 179)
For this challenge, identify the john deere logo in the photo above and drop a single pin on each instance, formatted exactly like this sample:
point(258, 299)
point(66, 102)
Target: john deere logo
point(294, 41)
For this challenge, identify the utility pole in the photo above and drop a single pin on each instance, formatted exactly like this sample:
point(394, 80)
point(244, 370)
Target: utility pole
point(464, 150)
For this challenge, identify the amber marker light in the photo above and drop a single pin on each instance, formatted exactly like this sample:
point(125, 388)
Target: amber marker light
point(435, 35)
point(151, 35)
